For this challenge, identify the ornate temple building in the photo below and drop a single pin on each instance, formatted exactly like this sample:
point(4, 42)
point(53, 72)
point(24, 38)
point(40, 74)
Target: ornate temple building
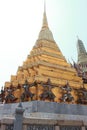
point(46, 75)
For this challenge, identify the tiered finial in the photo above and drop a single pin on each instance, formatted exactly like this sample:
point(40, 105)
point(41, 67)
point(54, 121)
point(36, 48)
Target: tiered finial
point(45, 23)
point(45, 32)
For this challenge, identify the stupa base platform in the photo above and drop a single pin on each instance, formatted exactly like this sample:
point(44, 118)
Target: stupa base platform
point(40, 115)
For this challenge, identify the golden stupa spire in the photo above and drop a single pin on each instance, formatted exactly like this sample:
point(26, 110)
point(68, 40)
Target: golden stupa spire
point(45, 22)
point(45, 33)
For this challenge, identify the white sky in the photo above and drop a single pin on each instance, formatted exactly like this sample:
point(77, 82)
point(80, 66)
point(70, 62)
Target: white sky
point(20, 23)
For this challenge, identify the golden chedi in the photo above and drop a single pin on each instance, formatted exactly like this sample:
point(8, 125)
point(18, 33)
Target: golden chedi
point(45, 74)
